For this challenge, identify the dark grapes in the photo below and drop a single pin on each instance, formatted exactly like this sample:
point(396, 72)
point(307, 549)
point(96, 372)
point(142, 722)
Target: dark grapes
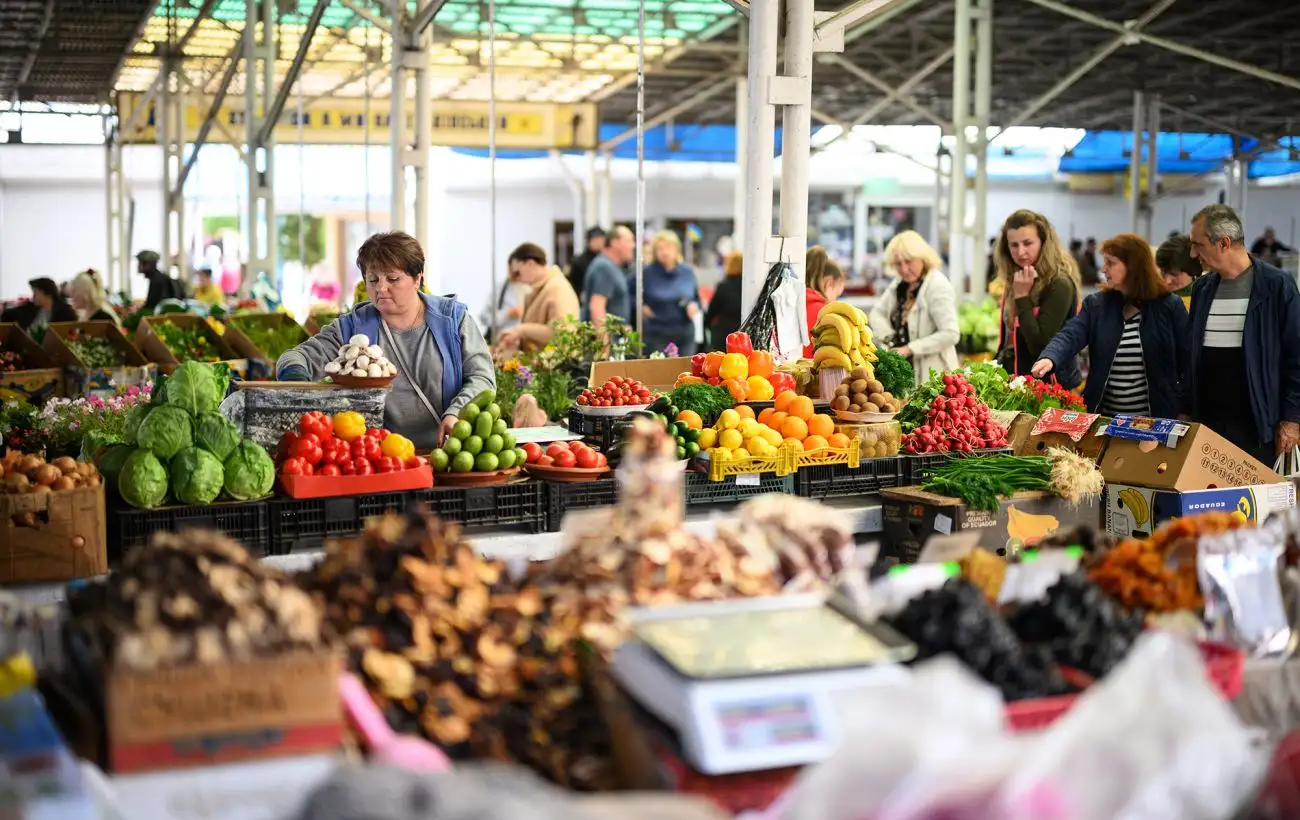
point(1080, 625)
point(958, 619)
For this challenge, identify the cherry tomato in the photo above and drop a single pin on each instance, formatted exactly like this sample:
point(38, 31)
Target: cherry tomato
point(361, 466)
point(345, 467)
point(330, 469)
point(294, 466)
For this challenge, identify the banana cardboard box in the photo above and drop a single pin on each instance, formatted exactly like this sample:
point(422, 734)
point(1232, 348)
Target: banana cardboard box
point(1137, 511)
point(912, 516)
point(1164, 454)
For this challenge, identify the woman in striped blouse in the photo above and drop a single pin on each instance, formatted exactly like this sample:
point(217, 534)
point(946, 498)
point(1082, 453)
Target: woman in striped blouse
point(1133, 329)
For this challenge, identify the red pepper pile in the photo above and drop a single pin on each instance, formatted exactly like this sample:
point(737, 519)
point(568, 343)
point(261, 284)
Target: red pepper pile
point(313, 449)
point(957, 423)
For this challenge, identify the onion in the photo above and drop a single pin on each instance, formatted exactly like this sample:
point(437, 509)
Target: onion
point(46, 474)
point(40, 489)
point(29, 464)
point(94, 481)
point(66, 464)
point(16, 483)
point(62, 483)
point(86, 469)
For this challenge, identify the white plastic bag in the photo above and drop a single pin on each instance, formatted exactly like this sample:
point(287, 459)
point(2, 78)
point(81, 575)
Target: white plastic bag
point(1287, 464)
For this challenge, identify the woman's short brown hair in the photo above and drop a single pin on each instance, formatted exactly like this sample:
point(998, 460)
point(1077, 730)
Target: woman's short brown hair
point(1142, 280)
point(733, 264)
point(1175, 256)
point(390, 251)
point(528, 252)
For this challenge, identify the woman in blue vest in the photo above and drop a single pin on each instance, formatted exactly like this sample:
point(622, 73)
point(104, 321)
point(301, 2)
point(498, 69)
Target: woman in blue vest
point(442, 360)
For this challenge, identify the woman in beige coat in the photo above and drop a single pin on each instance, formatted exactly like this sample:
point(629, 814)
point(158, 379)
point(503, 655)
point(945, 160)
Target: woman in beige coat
point(551, 298)
point(916, 316)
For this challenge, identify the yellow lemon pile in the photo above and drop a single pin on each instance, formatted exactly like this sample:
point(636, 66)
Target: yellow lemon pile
point(740, 435)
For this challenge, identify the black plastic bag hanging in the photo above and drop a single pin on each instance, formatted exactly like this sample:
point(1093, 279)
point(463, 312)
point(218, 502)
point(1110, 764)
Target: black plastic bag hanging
point(760, 324)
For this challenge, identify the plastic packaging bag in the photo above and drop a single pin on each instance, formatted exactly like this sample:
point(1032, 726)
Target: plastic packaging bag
point(1239, 577)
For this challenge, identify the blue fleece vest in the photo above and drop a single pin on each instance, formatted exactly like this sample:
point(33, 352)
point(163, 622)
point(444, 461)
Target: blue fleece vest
point(442, 315)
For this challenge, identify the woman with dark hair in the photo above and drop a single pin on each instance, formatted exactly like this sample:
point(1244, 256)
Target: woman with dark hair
point(50, 306)
point(823, 282)
point(1177, 265)
point(1133, 329)
point(723, 315)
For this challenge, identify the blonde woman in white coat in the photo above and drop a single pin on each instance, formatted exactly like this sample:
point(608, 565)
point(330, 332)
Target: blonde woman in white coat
point(916, 316)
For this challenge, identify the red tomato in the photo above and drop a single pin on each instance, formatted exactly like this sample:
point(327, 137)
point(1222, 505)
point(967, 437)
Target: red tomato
point(566, 459)
point(586, 459)
point(307, 450)
point(330, 469)
point(555, 449)
point(545, 461)
point(294, 466)
point(285, 447)
point(361, 466)
point(532, 452)
point(578, 445)
point(601, 461)
point(317, 423)
point(345, 467)
point(384, 465)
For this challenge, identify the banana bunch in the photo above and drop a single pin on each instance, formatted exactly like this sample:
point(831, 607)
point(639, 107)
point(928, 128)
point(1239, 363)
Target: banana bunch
point(841, 338)
point(1136, 503)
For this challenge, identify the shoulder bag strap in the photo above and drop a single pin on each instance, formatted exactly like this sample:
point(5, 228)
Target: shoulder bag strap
point(406, 369)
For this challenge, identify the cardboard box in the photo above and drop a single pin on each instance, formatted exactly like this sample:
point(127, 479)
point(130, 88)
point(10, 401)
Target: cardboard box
point(53, 536)
point(1080, 432)
point(657, 374)
point(152, 346)
point(80, 380)
point(240, 342)
point(40, 379)
point(912, 516)
point(1138, 511)
point(1163, 454)
point(200, 715)
point(1018, 425)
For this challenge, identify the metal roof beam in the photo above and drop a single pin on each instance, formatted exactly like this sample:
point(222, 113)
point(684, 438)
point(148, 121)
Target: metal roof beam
point(889, 91)
point(906, 87)
point(205, 11)
point(357, 8)
point(273, 112)
point(205, 128)
point(713, 30)
point(853, 13)
point(703, 93)
point(425, 18)
point(1170, 45)
point(34, 48)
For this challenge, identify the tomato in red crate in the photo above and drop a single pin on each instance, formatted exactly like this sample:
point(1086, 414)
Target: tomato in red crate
point(317, 423)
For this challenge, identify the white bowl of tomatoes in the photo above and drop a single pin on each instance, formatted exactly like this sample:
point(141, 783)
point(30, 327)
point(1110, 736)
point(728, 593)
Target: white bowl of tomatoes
point(565, 461)
point(615, 397)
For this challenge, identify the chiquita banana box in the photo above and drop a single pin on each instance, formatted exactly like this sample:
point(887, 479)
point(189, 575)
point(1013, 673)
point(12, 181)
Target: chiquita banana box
point(1137, 511)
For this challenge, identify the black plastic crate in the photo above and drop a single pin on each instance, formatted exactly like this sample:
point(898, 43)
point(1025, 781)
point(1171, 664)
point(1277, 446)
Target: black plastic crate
point(517, 504)
point(597, 431)
point(300, 524)
point(916, 466)
point(563, 497)
point(248, 522)
point(700, 490)
point(840, 480)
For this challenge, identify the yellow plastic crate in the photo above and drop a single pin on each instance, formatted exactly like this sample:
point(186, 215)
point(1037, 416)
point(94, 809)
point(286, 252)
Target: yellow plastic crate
point(851, 455)
point(720, 465)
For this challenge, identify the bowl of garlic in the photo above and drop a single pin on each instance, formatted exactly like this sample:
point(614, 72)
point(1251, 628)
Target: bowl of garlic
point(361, 364)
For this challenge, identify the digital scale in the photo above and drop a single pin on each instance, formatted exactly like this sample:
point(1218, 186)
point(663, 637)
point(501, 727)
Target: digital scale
point(751, 684)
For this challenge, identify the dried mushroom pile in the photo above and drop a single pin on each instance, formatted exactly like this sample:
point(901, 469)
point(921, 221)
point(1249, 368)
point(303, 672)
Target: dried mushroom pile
point(453, 650)
point(196, 597)
point(637, 553)
point(805, 543)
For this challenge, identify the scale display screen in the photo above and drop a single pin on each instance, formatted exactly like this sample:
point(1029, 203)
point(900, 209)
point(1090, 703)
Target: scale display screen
point(753, 725)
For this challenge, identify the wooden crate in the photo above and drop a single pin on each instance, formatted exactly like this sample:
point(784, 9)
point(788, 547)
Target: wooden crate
point(39, 535)
point(40, 379)
point(244, 346)
point(80, 380)
point(152, 346)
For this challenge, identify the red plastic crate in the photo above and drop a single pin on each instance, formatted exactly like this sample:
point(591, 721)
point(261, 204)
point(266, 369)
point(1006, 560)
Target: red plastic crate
point(323, 486)
point(1225, 665)
point(1279, 796)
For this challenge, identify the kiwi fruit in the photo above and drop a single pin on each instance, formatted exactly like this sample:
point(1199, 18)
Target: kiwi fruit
point(855, 408)
point(860, 399)
point(869, 407)
point(840, 403)
point(860, 373)
point(859, 386)
point(876, 398)
point(842, 390)
point(876, 387)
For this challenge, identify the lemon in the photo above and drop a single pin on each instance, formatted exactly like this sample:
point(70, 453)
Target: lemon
point(708, 438)
point(728, 420)
point(721, 454)
point(730, 439)
point(757, 447)
point(740, 454)
point(770, 436)
point(748, 427)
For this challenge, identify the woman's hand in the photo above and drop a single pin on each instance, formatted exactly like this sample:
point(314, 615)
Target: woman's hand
point(1041, 368)
point(692, 310)
point(444, 429)
point(904, 351)
point(1023, 282)
point(647, 312)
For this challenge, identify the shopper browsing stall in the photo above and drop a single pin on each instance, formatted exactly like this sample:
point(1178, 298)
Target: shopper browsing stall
point(550, 298)
point(671, 300)
point(605, 291)
point(441, 357)
point(824, 282)
point(1177, 265)
point(723, 314)
point(1040, 294)
point(1133, 330)
point(89, 300)
point(1243, 373)
point(916, 316)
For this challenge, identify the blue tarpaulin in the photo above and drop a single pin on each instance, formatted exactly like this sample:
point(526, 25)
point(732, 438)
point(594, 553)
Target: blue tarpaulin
point(1108, 152)
point(690, 143)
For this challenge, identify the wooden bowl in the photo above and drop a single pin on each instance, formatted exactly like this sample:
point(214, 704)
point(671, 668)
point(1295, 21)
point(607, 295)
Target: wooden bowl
point(472, 479)
point(357, 381)
point(567, 475)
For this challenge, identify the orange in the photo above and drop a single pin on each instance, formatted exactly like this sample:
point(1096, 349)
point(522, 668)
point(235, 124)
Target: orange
point(839, 441)
point(802, 407)
point(782, 400)
point(821, 425)
point(778, 418)
point(795, 443)
point(691, 418)
point(794, 427)
point(765, 417)
point(814, 443)
point(745, 411)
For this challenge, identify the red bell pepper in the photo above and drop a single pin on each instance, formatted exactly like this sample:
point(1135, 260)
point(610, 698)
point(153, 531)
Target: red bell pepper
point(781, 382)
point(697, 364)
point(738, 342)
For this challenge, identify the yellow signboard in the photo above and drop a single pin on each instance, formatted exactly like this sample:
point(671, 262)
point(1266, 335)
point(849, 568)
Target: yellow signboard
point(342, 121)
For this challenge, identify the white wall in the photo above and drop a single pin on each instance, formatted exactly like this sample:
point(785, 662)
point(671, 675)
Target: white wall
point(53, 223)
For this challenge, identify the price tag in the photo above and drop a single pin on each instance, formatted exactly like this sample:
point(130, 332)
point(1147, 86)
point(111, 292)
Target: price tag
point(942, 523)
point(748, 480)
point(943, 548)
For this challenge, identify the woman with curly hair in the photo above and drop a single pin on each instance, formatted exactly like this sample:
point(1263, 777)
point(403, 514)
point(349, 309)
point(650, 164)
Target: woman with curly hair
point(1041, 292)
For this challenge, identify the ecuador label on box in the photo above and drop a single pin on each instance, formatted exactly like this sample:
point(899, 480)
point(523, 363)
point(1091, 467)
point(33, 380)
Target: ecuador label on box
point(1138, 511)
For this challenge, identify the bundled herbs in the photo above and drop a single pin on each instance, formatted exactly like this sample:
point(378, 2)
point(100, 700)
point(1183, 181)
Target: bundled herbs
point(895, 373)
point(707, 400)
point(981, 482)
point(187, 344)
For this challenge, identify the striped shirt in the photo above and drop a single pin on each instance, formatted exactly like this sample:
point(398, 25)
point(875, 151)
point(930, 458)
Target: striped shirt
point(1126, 386)
point(1227, 319)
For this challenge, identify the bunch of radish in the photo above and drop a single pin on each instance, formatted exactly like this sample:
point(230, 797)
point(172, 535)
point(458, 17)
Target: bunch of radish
point(956, 423)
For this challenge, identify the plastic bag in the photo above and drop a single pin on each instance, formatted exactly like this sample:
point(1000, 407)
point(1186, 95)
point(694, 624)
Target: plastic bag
point(1287, 464)
point(1239, 577)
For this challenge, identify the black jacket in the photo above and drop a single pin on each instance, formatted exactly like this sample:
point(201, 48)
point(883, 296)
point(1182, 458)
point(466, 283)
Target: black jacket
point(578, 270)
point(723, 314)
point(1270, 342)
point(1099, 327)
point(160, 288)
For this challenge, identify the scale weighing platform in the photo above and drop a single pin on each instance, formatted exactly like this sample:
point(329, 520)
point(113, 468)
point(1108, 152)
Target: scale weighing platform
point(751, 684)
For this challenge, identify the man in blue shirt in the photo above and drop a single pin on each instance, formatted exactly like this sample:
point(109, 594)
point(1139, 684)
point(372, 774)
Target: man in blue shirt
point(605, 292)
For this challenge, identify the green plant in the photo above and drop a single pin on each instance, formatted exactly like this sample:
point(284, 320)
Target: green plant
point(555, 391)
point(313, 239)
point(512, 381)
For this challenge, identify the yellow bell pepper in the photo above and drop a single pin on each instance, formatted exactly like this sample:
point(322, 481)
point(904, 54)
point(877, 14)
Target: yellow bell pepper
point(349, 425)
point(734, 366)
point(760, 389)
point(398, 447)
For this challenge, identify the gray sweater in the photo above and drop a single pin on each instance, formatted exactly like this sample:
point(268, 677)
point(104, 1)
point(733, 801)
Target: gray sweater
point(403, 411)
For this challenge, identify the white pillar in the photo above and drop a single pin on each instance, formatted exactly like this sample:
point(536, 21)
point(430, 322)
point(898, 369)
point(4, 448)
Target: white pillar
point(164, 119)
point(607, 193)
point(397, 118)
point(939, 224)
point(740, 188)
point(760, 142)
point(1135, 163)
point(259, 52)
point(796, 132)
point(1243, 190)
point(861, 214)
point(418, 57)
point(117, 273)
point(957, 184)
point(591, 199)
point(974, 246)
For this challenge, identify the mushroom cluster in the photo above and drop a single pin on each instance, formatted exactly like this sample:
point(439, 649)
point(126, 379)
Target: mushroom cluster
point(362, 360)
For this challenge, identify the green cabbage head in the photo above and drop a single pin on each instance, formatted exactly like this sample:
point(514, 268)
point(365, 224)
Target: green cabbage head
point(216, 434)
point(197, 476)
point(134, 417)
point(143, 480)
point(111, 461)
point(193, 387)
point(166, 431)
point(250, 473)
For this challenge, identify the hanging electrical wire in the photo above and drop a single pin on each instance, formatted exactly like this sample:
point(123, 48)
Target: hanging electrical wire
point(492, 161)
point(302, 190)
point(640, 171)
point(365, 113)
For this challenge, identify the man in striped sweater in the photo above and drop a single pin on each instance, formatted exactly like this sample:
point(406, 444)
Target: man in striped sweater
point(1243, 376)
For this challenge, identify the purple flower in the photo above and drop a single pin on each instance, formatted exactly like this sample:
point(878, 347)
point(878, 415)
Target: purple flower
point(670, 351)
point(523, 378)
